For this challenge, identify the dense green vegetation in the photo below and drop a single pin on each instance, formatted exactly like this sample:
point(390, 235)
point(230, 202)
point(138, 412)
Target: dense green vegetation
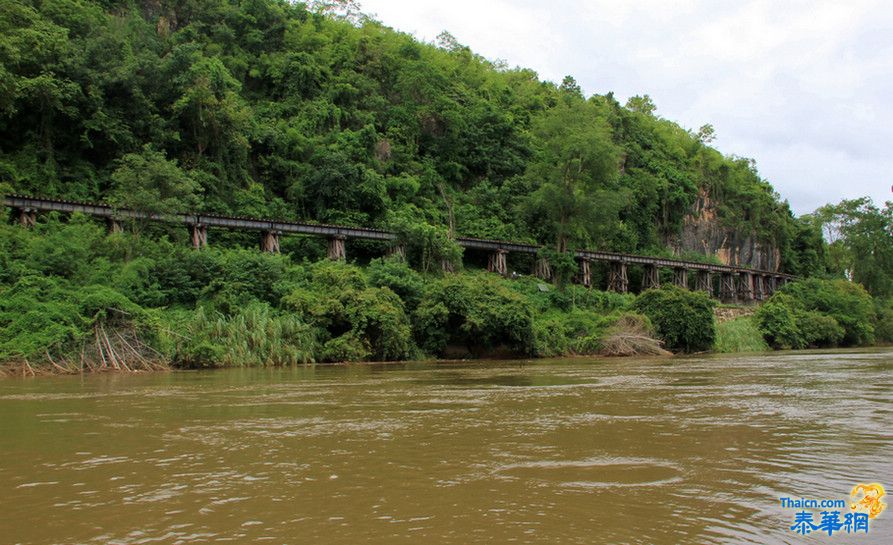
point(267, 108)
point(682, 318)
point(73, 295)
point(819, 313)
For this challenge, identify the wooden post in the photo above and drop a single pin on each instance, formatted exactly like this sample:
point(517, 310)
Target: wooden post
point(704, 282)
point(269, 242)
point(398, 251)
point(113, 226)
point(727, 288)
point(542, 270)
point(651, 278)
point(496, 262)
point(336, 251)
point(680, 277)
point(745, 286)
point(759, 287)
point(618, 279)
point(584, 276)
point(199, 235)
point(27, 217)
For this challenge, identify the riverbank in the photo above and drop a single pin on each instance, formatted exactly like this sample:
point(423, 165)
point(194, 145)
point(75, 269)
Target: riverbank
point(74, 299)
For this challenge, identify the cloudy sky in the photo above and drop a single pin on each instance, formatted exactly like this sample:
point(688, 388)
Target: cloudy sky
point(803, 87)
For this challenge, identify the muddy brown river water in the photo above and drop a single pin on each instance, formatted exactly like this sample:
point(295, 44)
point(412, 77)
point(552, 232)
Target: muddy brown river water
point(654, 451)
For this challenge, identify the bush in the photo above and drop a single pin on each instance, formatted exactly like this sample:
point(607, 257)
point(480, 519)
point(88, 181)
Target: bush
point(477, 311)
point(818, 313)
point(337, 301)
point(396, 275)
point(682, 319)
point(884, 324)
point(819, 330)
point(847, 302)
point(777, 321)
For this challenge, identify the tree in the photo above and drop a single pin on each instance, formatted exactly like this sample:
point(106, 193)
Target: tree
point(574, 172)
point(706, 134)
point(860, 239)
point(641, 104)
point(150, 183)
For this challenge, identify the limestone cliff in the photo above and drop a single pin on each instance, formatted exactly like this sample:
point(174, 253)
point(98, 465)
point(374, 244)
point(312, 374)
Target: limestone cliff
point(704, 232)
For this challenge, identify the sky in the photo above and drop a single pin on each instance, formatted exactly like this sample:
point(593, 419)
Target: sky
point(803, 87)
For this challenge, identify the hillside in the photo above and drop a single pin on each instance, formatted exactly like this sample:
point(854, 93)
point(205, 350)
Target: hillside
point(264, 108)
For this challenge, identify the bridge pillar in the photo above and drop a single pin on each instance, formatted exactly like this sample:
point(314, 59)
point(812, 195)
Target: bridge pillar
point(618, 277)
point(759, 287)
point(113, 226)
point(398, 251)
point(199, 235)
point(651, 278)
point(27, 217)
point(336, 250)
point(680, 277)
point(269, 242)
point(745, 287)
point(541, 269)
point(496, 262)
point(727, 288)
point(584, 276)
point(704, 282)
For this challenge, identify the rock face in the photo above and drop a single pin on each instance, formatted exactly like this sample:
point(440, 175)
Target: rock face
point(703, 232)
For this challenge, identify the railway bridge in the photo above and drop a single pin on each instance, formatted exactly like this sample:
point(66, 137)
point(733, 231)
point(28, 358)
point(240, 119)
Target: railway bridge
point(728, 283)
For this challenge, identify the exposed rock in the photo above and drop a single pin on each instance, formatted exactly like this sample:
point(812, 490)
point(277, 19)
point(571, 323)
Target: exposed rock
point(702, 232)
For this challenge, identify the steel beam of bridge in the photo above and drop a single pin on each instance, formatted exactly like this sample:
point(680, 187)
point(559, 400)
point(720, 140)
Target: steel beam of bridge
point(29, 205)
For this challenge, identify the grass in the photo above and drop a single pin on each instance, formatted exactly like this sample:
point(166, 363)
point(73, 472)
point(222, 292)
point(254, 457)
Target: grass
point(739, 335)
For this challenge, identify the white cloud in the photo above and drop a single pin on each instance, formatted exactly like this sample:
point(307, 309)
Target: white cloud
point(804, 87)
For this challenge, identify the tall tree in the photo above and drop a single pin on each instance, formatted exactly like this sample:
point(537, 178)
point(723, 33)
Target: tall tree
point(575, 171)
point(860, 239)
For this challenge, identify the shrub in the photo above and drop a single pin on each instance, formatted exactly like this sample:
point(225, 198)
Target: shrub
point(777, 321)
point(884, 324)
point(847, 302)
point(682, 319)
point(396, 275)
point(337, 301)
point(818, 330)
point(477, 311)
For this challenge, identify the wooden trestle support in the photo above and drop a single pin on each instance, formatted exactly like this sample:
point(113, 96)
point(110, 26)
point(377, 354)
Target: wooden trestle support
point(704, 282)
point(199, 235)
point(496, 262)
point(727, 289)
point(269, 241)
point(650, 277)
point(680, 277)
point(584, 275)
point(618, 277)
point(541, 269)
point(745, 287)
point(336, 250)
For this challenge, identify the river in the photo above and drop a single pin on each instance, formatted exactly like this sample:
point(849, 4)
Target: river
point(643, 451)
